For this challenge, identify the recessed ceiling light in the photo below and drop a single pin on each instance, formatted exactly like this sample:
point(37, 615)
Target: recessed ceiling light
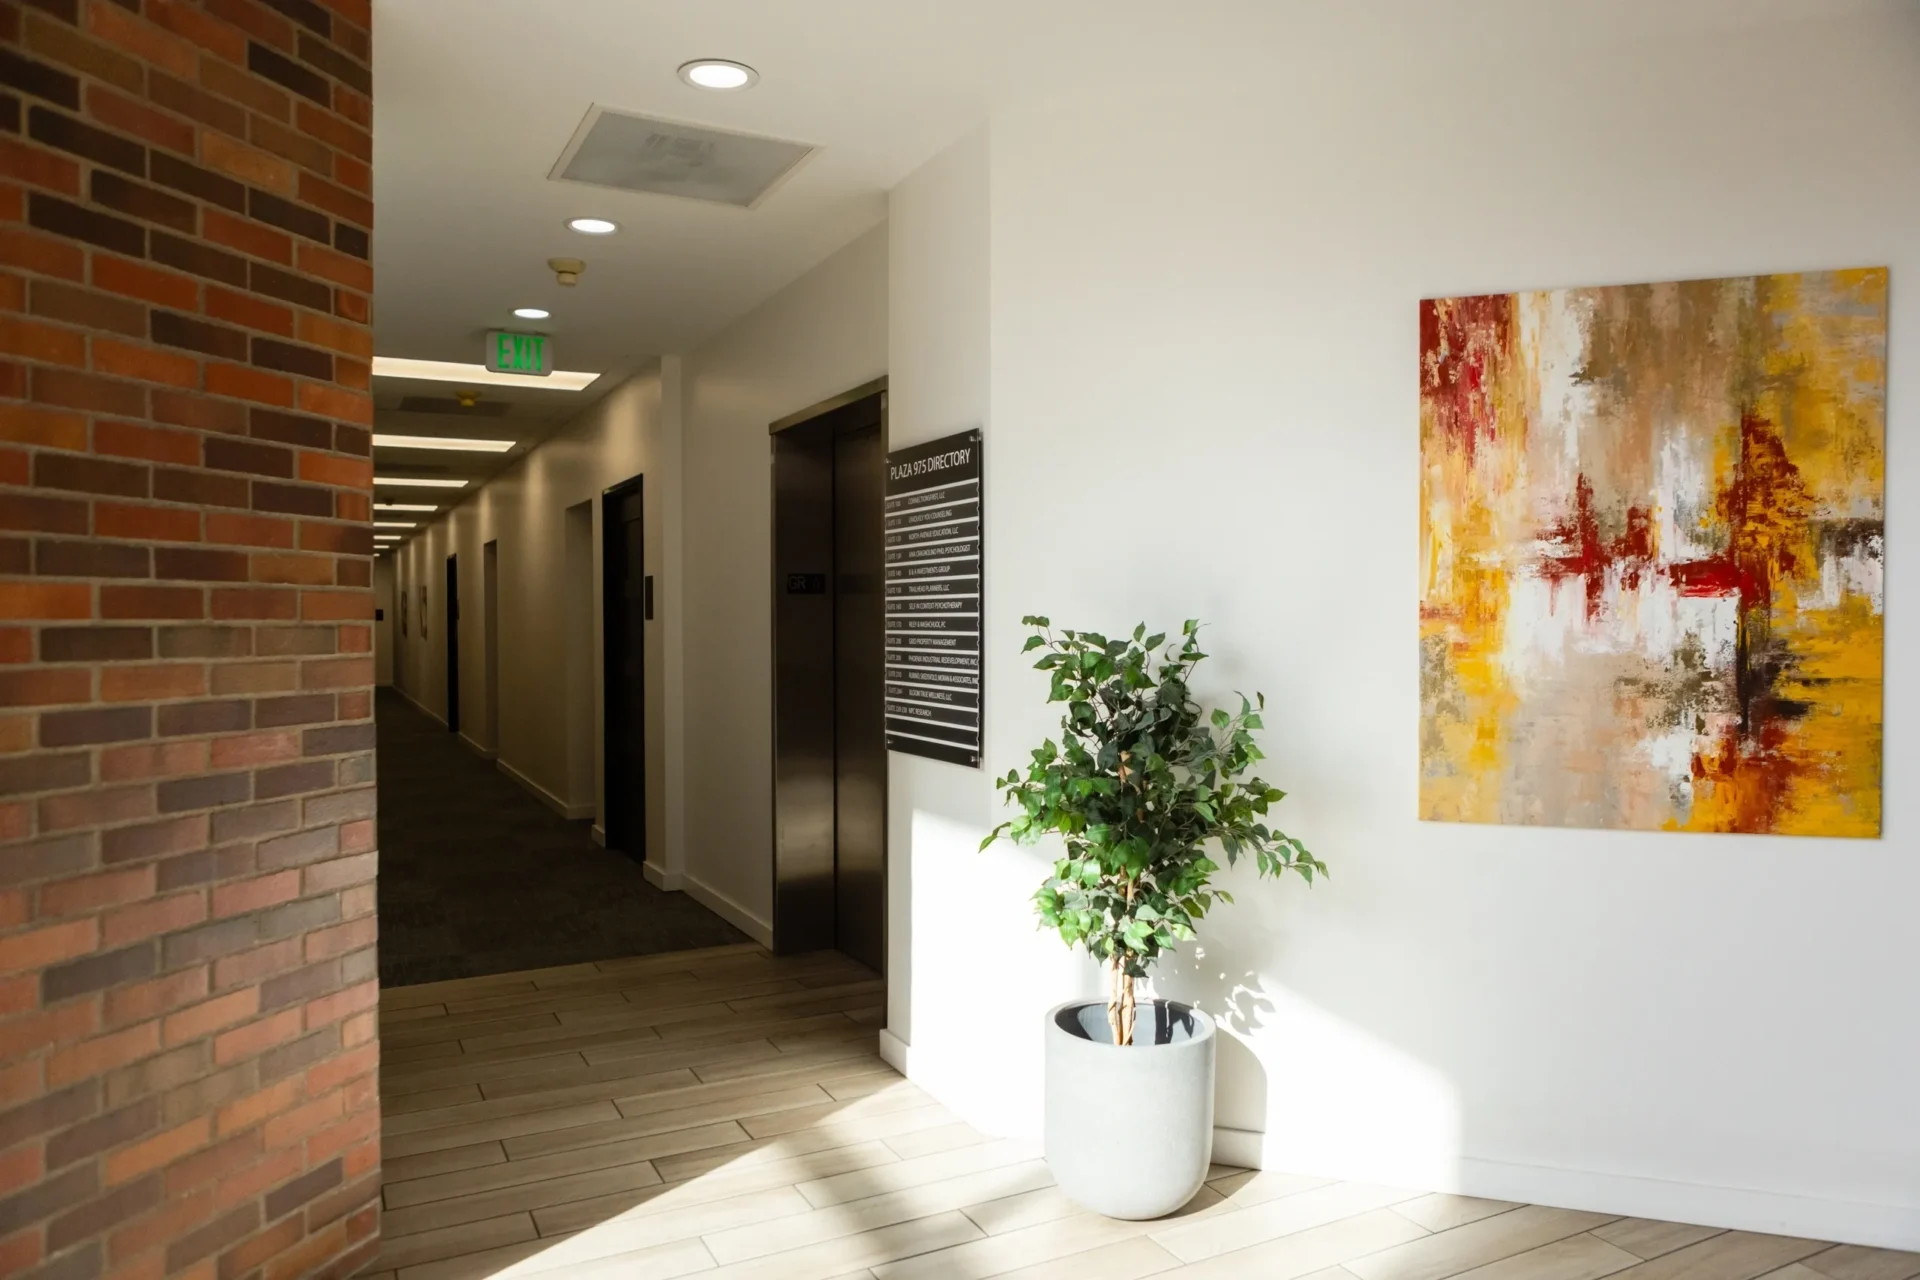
point(451, 443)
point(718, 73)
point(593, 226)
point(420, 482)
point(531, 313)
point(404, 506)
point(452, 371)
point(393, 524)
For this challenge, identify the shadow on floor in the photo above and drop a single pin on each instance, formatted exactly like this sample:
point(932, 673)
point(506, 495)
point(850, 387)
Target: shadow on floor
point(478, 877)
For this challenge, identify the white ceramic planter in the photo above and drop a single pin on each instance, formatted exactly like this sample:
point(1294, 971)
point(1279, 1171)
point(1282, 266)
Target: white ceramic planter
point(1129, 1132)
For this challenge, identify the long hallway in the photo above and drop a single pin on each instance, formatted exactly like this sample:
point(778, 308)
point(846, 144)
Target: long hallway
point(478, 877)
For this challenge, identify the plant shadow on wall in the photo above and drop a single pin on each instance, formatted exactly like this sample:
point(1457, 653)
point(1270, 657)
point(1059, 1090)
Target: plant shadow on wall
point(1142, 789)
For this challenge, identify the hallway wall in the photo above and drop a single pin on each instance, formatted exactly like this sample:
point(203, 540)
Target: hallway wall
point(1203, 403)
point(824, 334)
point(525, 509)
point(188, 1051)
point(938, 334)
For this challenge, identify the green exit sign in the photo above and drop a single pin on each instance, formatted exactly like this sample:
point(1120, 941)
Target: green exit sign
point(525, 353)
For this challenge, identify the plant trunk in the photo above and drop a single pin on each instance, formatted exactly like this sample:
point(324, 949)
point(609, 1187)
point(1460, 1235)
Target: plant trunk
point(1120, 997)
point(1120, 1003)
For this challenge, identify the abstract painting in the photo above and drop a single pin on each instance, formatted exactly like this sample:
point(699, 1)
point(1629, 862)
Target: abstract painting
point(1651, 549)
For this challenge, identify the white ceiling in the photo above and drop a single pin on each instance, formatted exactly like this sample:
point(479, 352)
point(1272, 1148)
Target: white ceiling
point(475, 100)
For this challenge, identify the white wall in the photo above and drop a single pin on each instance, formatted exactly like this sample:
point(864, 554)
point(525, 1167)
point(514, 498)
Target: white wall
point(1200, 401)
point(824, 334)
point(943, 900)
point(525, 509)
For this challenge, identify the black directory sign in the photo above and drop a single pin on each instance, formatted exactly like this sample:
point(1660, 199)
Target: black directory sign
point(933, 599)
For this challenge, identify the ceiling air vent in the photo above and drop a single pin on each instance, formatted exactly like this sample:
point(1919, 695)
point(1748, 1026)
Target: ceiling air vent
point(443, 404)
point(639, 153)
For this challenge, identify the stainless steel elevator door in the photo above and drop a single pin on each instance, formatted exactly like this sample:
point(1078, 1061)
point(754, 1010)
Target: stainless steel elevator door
point(829, 662)
point(803, 764)
point(859, 656)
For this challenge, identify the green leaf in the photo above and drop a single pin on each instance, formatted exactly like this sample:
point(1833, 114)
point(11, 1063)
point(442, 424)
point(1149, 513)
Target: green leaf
point(1145, 792)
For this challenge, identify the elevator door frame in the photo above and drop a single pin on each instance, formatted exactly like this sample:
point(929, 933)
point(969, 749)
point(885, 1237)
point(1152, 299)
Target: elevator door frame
point(801, 901)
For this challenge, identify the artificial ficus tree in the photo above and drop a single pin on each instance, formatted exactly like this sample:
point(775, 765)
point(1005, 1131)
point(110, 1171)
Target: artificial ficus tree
point(1141, 788)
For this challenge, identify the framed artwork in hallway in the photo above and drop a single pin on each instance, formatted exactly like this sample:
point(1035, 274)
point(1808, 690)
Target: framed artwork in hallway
point(1651, 552)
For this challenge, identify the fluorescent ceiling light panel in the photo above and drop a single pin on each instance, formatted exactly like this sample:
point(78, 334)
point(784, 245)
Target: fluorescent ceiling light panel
point(404, 506)
point(420, 482)
point(451, 443)
point(393, 524)
point(478, 374)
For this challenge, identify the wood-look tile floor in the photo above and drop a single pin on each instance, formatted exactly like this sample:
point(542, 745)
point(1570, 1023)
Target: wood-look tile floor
point(722, 1113)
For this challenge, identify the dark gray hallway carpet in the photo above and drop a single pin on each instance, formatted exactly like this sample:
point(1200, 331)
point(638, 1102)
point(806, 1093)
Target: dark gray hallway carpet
point(477, 876)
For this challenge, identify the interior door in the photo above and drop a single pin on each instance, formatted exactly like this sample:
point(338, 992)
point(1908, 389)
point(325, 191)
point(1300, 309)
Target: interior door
point(453, 644)
point(490, 611)
point(623, 567)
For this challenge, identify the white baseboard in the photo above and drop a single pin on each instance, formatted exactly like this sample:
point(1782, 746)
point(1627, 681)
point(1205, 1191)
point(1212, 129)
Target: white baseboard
point(1735, 1208)
point(599, 834)
point(707, 896)
point(729, 910)
point(485, 753)
point(666, 881)
point(1241, 1148)
point(895, 1052)
point(572, 812)
point(421, 707)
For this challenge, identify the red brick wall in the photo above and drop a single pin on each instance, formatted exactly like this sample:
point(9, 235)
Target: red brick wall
point(187, 987)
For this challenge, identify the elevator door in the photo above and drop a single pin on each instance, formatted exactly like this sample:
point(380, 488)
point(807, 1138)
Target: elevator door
point(859, 721)
point(829, 622)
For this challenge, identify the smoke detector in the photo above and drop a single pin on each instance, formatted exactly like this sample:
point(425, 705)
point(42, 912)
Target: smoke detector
point(566, 270)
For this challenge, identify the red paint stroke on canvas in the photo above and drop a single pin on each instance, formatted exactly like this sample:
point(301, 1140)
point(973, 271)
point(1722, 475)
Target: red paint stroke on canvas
point(1463, 342)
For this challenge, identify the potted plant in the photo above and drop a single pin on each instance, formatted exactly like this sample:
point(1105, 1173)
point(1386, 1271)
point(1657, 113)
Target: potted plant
point(1142, 788)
